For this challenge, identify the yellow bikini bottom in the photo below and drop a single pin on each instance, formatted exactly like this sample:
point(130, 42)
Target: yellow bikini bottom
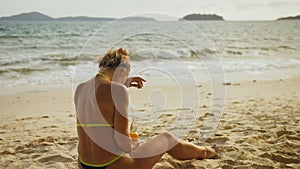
point(104, 164)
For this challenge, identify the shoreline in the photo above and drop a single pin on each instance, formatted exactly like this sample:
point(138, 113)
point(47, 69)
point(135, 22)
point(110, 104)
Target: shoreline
point(229, 77)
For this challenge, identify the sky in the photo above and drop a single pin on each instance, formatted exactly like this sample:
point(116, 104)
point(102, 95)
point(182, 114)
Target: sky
point(229, 9)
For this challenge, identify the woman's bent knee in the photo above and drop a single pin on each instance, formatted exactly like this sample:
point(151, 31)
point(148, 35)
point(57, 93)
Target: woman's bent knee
point(168, 135)
point(172, 140)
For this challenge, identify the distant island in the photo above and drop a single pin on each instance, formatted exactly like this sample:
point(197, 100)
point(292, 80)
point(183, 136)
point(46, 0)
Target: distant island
point(31, 16)
point(194, 17)
point(36, 16)
point(290, 18)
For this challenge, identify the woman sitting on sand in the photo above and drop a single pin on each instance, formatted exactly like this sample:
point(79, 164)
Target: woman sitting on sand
point(102, 123)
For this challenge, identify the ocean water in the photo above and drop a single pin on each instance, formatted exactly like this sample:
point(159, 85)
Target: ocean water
point(56, 52)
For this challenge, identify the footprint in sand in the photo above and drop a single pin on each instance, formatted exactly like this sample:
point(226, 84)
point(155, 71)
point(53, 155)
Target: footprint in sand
point(217, 140)
point(54, 158)
point(232, 163)
point(25, 118)
point(34, 156)
point(283, 132)
point(8, 151)
point(229, 148)
point(297, 138)
point(262, 166)
point(236, 102)
point(45, 127)
point(280, 158)
point(3, 132)
point(228, 127)
point(32, 118)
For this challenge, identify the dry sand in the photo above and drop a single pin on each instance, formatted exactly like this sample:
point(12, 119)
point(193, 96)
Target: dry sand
point(260, 126)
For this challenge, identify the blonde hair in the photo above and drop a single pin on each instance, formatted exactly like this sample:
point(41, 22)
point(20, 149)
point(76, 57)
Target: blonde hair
point(115, 58)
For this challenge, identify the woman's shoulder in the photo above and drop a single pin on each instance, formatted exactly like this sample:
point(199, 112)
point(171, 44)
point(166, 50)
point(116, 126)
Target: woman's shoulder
point(78, 90)
point(119, 87)
point(83, 86)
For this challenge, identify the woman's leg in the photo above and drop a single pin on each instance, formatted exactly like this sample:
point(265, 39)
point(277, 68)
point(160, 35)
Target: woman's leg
point(148, 154)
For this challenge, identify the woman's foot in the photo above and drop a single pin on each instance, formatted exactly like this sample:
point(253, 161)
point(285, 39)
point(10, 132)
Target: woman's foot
point(209, 152)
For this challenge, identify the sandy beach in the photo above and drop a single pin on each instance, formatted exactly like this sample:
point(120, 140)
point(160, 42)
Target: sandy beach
point(260, 126)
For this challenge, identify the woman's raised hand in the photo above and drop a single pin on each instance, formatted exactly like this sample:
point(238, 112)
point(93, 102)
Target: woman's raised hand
point(135, 82)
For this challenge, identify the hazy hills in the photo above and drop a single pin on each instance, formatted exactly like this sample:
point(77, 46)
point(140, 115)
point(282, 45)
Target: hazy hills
point(31, 16)
point(36, 16)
